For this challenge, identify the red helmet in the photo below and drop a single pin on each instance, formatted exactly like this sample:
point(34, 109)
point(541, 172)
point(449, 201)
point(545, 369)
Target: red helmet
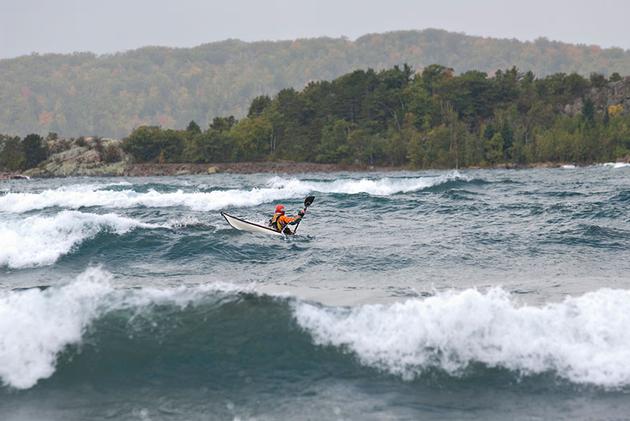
point(280, 209)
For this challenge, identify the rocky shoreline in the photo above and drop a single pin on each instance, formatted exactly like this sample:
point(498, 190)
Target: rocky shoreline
point(150, 170)
point(285, 167)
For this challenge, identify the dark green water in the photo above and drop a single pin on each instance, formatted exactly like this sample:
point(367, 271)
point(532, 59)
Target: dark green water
point(428, 295)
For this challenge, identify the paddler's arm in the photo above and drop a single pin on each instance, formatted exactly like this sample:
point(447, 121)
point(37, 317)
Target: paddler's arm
point(293, 221)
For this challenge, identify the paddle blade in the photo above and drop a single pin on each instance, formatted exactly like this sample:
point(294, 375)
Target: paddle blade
point(309, 201)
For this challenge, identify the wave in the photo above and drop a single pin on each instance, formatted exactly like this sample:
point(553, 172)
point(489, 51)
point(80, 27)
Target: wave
point(584, 340)
point(460, 194)
point(276, 189)
point(37, 324)
point(217, 329)
point(377, 187)
point(42, 240)
point(616, 165)
point(621, 197)
point(591, 235)
point(558, 193)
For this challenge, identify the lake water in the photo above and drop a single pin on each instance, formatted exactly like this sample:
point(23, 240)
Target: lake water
point(482, 294)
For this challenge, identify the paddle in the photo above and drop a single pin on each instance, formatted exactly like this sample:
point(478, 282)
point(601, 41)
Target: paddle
point(307, 202)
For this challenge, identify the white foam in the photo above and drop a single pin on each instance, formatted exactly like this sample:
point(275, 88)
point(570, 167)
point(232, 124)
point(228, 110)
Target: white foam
point(41, 240)
point(23, 202)
point(584, 339)
point(276, 189)
point(185, 221)
point(616, 165)
point(379, 187)
point(568, 167)
point(35, 325)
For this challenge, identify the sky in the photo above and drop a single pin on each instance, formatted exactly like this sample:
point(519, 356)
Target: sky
point(107, 26)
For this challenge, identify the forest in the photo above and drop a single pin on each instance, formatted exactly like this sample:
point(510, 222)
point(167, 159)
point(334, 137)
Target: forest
point(83, 94)
point(433, 118)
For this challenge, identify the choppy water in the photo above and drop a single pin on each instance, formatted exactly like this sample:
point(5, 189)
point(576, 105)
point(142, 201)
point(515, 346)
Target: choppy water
point(424, 295)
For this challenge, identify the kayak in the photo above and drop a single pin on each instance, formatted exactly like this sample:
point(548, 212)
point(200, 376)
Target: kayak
point(243, 225)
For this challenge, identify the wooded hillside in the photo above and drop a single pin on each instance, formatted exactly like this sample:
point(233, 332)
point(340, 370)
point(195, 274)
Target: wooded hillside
point(110, 95)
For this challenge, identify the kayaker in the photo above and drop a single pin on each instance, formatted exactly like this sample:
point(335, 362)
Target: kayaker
point(279, 221)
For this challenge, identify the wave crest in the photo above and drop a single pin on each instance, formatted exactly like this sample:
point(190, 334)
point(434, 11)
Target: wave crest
point(583, 339)
point(37, 325)
point(41, 240)
point(276, 189)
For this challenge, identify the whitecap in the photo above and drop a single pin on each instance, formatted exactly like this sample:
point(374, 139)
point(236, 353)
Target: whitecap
point(276, 189)
point(41, 240)
point(583, 339)
point(616, 165)
point(37, 325)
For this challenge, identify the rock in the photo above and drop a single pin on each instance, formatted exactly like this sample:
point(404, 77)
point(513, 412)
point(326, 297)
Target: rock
point(614, 96)
point(90, 156)
point(70, 154)
point(212, 170)
point(80, 161)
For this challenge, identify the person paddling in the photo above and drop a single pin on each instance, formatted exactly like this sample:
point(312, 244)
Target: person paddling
point(280, 222)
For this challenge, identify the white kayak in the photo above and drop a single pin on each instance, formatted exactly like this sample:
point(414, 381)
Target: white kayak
point(243, 225)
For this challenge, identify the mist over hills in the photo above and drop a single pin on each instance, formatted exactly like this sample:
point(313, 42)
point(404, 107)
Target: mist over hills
point(109, 95)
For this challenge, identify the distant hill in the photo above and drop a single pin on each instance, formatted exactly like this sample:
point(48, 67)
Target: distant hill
point(109, 95)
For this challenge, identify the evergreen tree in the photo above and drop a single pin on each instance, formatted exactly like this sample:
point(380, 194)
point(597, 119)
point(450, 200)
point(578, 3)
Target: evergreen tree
point(588, 111)
point(258, 105)
point(11, 153)
point(193, 128)
point(494, 149)
point(34, 149)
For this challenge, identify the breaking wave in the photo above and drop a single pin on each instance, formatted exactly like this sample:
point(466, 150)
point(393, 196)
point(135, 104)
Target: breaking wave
point(582, 339)
point(41, 240)
point(276, 189)
point(37, 325)
point(616, 165)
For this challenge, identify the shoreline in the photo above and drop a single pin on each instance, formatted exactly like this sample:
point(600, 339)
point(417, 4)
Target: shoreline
point(284, 167)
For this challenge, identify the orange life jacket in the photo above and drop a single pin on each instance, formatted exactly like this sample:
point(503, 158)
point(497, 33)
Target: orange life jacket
point(279, 221)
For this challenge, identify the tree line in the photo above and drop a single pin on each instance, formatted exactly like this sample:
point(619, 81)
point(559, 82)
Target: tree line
point(432, 119)
point(398, 117)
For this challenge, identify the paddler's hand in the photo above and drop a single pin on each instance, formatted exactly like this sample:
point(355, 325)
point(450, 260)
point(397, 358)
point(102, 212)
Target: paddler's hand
point(301, 213)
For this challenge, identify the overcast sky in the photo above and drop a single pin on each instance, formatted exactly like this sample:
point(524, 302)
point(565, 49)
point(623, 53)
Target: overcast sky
point(105, 26)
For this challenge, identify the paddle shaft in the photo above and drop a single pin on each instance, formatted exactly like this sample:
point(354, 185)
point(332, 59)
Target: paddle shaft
point(298, 222)
point(307, 202)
